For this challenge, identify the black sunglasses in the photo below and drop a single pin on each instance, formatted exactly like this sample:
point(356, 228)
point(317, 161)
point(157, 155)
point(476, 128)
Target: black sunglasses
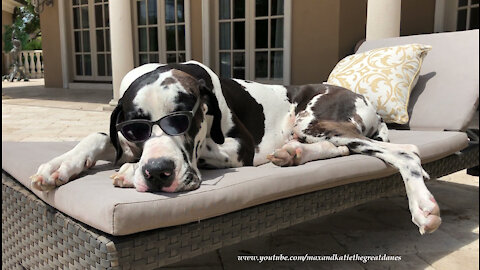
point(174, 124)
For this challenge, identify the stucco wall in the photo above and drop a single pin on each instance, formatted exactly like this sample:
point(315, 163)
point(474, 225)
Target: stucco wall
point(418, 17)
point(51, 46)
point(353, 23)
point(196, 33)
point(314, 40)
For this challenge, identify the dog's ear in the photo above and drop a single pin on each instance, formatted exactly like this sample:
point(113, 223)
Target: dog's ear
point(209, 98)
point(115, 118)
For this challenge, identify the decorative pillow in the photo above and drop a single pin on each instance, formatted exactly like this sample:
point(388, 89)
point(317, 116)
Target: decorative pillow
point(385, 76)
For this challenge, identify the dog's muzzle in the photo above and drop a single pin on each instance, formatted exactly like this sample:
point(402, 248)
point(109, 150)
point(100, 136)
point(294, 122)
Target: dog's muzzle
point(159, 173)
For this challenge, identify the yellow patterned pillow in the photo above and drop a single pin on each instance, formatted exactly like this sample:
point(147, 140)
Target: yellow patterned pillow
point(384, 76)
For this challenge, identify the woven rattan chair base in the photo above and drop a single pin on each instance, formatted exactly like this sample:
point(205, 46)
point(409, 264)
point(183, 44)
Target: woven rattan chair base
point(37, 236)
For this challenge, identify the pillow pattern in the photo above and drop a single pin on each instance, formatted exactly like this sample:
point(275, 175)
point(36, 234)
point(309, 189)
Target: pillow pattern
point(385, 76)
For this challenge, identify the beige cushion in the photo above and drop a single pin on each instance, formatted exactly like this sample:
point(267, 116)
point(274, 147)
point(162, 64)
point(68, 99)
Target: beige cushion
point(446, 94)
point(93, 200)
point(385, 76)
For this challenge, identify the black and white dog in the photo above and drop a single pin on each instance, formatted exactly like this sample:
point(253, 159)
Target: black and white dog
point(173, 119)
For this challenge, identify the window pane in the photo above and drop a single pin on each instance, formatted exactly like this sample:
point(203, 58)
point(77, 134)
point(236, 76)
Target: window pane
point(474, 18)
point(75, 2)
point(98, 16)
point(225, 65)
point(474, 2)
point(107, 37)
point(86, 41)
point(107, 15)
point(141, 13)
point(171, 58)
point(109, 65)
point(277, 34)
point(169, 11)
point(181, 57)
point(461, 20)
point(79, 64)
point(152, 11)
point(239, 65)
point(180, 11)
point(100, 41)
point(224, 36)
point(143, 59)
point(261, 64)
point(238, 8)
point(84, 17)
point(78, 41)
point(181, 37)
point(462, 3)
point(261, 34)
point(153, 39)
point(276, 67)
point(171, 43)
point(154, 58)
point(76, 18)
point(101, 64)
point(142, 39)
point(239, 35)
point(84, 2)
point(277, 7)
point(224, 10)
point(88, 65)
point(261, 8)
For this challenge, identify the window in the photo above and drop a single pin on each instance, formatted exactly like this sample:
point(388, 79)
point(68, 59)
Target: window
point(253, 39)
point(91, 40)
point(161, 31)
point(467, 15)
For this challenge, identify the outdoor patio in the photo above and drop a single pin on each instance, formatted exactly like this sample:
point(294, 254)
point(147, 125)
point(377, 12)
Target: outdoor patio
point(31, 112)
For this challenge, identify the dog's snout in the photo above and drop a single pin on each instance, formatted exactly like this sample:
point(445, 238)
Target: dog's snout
point(159, 171)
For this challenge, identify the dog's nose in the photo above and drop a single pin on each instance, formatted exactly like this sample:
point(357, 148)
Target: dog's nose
point(159, 171)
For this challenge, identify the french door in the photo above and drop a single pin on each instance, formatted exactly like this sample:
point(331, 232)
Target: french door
point(91, 40)
point(252, 39)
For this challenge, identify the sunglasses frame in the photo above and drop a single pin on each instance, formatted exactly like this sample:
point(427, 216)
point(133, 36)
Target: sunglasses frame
point(188, 114)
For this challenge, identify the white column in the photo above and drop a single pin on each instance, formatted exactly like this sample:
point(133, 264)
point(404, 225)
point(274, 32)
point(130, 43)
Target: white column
point(383, 19)
point(121, 40)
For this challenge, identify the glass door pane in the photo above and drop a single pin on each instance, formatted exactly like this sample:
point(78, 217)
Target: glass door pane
point(232, 38)
point(102, 27)
point(175, 31)
point(269, 35)
point(81, 36)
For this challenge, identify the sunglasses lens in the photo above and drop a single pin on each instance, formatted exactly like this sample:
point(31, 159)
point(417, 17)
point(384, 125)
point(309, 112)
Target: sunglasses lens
point(175, 124)
point(136, 132)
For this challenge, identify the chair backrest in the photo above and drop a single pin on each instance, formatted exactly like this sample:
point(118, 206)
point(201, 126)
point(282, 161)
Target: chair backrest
point(446, 94)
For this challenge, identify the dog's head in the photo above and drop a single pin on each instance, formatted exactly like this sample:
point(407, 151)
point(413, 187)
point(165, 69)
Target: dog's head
point(161, 120)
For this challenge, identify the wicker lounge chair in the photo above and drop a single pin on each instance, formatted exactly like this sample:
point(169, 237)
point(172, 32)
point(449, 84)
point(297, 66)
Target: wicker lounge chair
point(109, 228)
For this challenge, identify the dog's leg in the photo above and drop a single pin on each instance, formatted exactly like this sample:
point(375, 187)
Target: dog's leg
point(63, 168)
point(218, 156)
point(296, 153)
point(423, 207)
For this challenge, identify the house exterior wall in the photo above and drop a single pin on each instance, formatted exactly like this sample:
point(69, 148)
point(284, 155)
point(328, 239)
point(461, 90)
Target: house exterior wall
point(196, 27)
point(51, 46)
point(315, 39)
point(323, 32)
point(418, 17)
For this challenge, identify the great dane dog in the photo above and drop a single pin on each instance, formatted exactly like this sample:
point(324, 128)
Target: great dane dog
point(173, 119)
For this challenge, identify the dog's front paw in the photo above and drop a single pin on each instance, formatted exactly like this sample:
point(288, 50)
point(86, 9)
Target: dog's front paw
point(124, 177)
point(58, 172)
